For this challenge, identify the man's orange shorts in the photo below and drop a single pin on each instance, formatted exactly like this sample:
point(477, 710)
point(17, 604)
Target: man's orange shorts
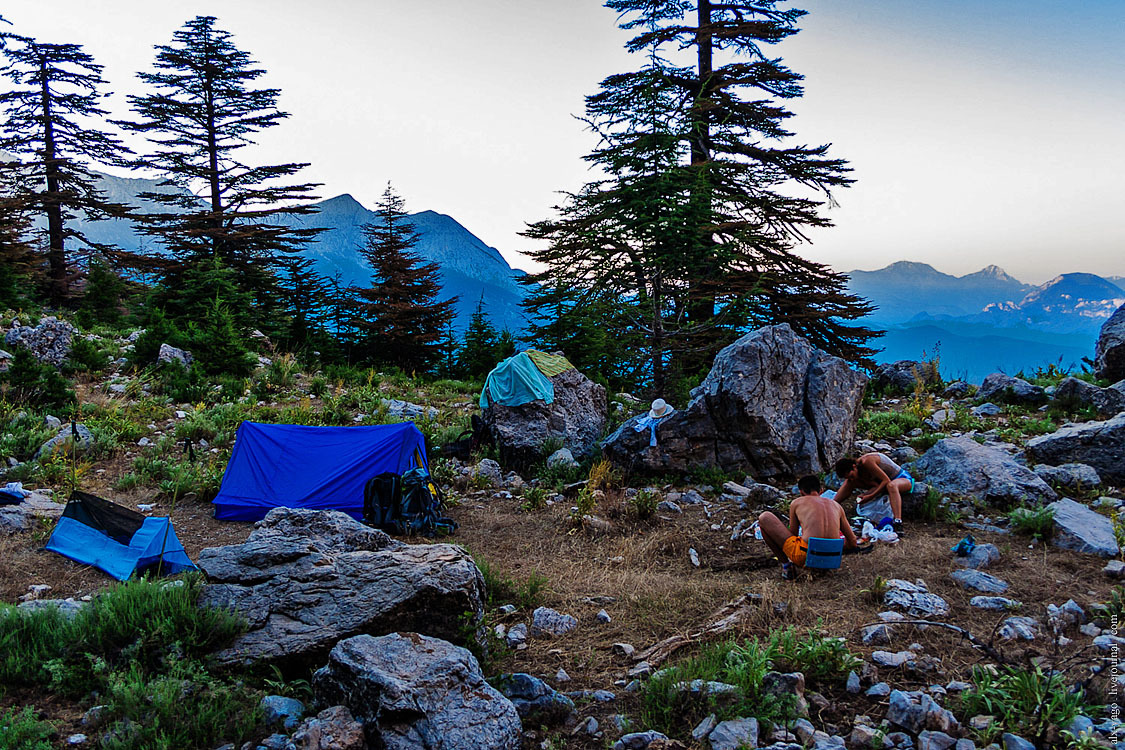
point(795, 549)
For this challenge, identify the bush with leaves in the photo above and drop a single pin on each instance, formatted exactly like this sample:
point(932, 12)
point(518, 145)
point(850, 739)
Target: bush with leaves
point(101, 301)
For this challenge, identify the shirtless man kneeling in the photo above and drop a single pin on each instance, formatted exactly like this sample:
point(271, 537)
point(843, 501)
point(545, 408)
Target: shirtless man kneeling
point(810, 516)
point(874, 474)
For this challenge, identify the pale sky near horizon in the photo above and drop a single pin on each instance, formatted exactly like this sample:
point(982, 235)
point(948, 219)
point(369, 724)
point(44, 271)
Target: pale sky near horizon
point(980, 132)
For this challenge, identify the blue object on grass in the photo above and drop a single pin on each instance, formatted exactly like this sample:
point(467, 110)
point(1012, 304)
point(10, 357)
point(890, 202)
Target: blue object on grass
point(824, 554)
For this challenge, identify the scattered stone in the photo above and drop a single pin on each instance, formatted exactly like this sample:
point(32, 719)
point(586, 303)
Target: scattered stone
point(562, 676)
point(562, 459)
point(76, 739)
point(280, 709)
point(706, 688)
point(1104, 642)
point(693, 556)
point(1109, 350)
point(891, 659)
point(405, 410)
point(639, 740)
point(625, 650)
point(1106, 401)
point(25, 515)
point(1081, 529)
point(1022, 628)
point(914, 599)
point(771, 404)
point(853, 685)
point(987, 410)
point(1072, 477)
point(997, 603)
point(49, 342)
point(1114, 569)
point(304, 579)
point(1010, 390)
point(69, 608)
point(536, 702)
point(691, 497)
point(333, 728)
point(928, 740)
point(668, 507)
point(903, 712)
point(903, 376)
point(787, 686)
point(877, 635)
point(956, 389)
point(703, 728)
point(411, 691)
point(603, 617)
point(546, 623)
point(65, 439)
point(962, 466)
point(169, 353)
point(734, 734)
point(979, 581)
point(864, 736)
point(1097, 444)
point(517, 635)
point(588, 726)
point(1015, 742)
point(879, 690)
point(490, 470)
point(980, 558)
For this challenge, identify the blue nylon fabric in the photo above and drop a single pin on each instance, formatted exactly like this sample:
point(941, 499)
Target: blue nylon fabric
point(79, 542)
point(321, 468)
point(516, 381)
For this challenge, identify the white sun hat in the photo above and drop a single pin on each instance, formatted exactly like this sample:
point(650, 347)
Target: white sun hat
point(660, 408)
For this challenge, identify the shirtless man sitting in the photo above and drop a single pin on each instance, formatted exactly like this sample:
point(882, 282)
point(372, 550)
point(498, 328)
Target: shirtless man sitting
point(874, 474)
point(810, 516)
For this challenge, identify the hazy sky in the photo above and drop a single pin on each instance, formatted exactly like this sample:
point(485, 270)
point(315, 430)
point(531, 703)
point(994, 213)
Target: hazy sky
point(980, 131)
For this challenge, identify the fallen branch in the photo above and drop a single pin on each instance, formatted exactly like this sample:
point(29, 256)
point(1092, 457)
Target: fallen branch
point(723, 620)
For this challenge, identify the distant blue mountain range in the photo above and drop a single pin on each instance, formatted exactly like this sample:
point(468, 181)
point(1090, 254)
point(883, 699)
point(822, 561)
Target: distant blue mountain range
point(470, 270)
point(986, 321)
point(981, 322)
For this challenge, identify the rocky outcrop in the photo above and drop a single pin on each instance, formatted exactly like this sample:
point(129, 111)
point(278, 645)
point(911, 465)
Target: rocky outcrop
point(169, 353)
point(962, 466)
point(1073, 392)
point(1070, 477)
point(576, 417)
point(903, 376)
point(410, 691)
point(1081, 529)
point(65, 438)
point(26, 514)
point(1001, 388)
point(304, 579)
point(50, 341)
point(1097, 444)
point(1109, 351)
point(772, 405)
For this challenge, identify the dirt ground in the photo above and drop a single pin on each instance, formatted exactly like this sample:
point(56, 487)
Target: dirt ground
point(641, 574)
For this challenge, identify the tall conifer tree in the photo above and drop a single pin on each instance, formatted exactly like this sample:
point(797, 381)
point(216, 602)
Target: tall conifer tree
point(55, 94)
point(399, 318)
point(693, 229)
point(200, 112)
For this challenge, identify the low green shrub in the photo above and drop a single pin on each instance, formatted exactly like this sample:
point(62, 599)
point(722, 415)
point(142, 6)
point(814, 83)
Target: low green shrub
point(642, 504)
point(882, 425)
point(1035, 522)
point(1024, 701)
point(31, 383)
point(674, 711)
point(21, 730)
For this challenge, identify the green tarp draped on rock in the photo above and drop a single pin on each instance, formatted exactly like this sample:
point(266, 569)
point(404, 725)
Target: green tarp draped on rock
point(520, 379)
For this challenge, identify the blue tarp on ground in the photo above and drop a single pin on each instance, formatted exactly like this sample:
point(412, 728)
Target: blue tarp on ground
point(516, 381)
point(89, 546)
point(322, 468)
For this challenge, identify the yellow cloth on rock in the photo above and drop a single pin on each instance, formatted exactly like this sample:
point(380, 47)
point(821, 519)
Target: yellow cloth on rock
point(549, 364)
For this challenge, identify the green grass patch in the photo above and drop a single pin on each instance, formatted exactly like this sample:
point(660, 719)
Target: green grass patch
point(1035, 522)
point(666, 708)
point(1025, 701)
point(21, 730)
point(881, 425)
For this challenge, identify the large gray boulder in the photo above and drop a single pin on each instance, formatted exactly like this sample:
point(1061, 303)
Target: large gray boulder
point(1107, 401)
point(1081, 529)
point(411, 691)
point(1109, 351)
point(903, 376)
point(576, 417)
point(1002, 388)
point(962, 466)
point(65, 438)
point(26, 514)
point(1097, 444)
point(50, 341)
point(304, 579)
point(772, 405)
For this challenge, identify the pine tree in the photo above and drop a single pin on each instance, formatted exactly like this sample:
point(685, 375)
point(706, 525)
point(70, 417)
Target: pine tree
point(692, 231)
point(478, 353)
point(200, 112)
point(305, 298)
point(399, 318)
point(102, 296)
point(55, 92)
point(19, 265)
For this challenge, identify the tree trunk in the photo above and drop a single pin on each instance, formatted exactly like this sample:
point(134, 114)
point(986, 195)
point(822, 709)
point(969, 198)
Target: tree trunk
point(701, 308)
point(56, 253)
